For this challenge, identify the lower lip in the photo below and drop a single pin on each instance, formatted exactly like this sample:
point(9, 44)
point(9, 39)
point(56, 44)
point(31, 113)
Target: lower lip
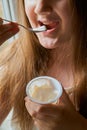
point(50, 31)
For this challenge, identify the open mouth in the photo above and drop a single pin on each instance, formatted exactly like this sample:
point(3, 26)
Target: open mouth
point(49, 26)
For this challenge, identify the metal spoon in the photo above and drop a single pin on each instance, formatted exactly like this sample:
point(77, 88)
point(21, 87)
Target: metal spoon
point(36, 30)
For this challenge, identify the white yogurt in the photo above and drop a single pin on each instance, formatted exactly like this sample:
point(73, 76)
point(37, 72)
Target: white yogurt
point(44, 90)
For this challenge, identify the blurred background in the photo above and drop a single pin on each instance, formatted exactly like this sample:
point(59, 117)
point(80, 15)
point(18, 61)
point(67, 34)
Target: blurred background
point(8, 11)
point(1, 9)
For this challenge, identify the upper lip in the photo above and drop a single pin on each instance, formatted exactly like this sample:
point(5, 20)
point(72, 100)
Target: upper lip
point(48, 24)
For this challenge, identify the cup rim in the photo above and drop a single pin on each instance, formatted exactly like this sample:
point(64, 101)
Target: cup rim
point(58, 87)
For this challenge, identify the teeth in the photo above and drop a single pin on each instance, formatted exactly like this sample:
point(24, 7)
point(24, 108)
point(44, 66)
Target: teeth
point(40, 29)
point(49, 25)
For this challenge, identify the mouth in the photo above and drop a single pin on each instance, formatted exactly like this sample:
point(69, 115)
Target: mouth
point(50, 26)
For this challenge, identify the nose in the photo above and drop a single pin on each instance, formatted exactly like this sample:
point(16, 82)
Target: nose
point(43, 7)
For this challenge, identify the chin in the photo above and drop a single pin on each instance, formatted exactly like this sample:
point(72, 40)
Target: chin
point(49, 44)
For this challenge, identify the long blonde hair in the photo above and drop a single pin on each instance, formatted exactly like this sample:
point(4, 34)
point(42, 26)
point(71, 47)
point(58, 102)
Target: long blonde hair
point(18, 66)
point(23, 60)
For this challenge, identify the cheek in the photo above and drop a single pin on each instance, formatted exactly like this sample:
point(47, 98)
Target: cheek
point(29, 10)
point(65, 15)
point(63, 9)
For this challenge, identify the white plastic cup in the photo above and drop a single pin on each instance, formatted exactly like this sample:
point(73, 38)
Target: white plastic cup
point(44, 90)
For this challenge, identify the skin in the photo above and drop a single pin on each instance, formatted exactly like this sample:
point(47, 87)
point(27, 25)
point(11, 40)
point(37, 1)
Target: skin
point(7, 30)
point(63, 115)
point(58, 38)
point(50, 12)
point(60, 116)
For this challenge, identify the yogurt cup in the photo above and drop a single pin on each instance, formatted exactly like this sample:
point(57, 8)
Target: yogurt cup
point(44, 90)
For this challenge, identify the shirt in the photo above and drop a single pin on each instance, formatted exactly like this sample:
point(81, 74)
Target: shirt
point(7, 125)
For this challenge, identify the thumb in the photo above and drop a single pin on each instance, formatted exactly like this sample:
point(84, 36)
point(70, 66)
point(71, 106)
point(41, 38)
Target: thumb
point(64, 99)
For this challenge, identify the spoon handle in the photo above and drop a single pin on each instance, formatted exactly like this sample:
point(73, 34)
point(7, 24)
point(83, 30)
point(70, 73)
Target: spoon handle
point(38, 29)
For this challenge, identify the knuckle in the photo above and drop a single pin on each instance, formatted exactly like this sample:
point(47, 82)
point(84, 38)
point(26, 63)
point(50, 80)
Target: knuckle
point(40, 108)
point(34, 114)
point(1, 21)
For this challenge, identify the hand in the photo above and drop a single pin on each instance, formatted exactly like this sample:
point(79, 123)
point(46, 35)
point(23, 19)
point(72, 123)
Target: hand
point(7, 30)
point(60, 116)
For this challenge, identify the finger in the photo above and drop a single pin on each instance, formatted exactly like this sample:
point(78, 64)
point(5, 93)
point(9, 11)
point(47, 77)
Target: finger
point(47, 109)
point(41, 111)
point(65, 100)
point(64, 97)
point(44, 125)
point(6, 27)
point(32, 107)
point(1, 21)
point(41, 125)
point(8, 33)
point(51, 111)
point(43, 117)
point(46, 122)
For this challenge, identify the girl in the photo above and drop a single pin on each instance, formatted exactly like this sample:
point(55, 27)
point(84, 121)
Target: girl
point(60, 52)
